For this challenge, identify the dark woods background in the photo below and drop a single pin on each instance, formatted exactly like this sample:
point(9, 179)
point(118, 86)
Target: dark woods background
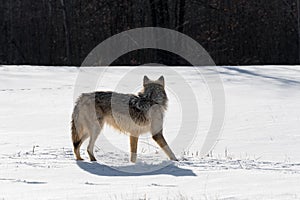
point(234, 32)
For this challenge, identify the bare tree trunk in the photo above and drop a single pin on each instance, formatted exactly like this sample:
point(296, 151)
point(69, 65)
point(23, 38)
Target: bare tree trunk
point(298, 10)
point(181, 15)
point(153, 12)
point(176, 14)
point(50, 25)
point(66, 29)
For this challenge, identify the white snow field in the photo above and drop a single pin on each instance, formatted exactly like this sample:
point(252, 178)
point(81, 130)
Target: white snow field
point(257, 155)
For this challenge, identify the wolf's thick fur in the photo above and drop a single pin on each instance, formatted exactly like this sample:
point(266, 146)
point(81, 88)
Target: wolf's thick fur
point(128, 113)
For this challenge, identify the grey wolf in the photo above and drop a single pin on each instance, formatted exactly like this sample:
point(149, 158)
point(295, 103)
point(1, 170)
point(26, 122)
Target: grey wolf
point(131, 114)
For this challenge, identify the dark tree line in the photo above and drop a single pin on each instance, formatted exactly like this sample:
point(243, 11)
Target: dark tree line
point(234, 32)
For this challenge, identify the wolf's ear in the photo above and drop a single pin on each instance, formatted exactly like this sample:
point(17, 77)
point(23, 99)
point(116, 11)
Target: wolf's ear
point(146, 80)
point(161, 80)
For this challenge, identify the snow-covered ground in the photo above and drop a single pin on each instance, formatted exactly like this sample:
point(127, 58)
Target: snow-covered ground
point(256, 156)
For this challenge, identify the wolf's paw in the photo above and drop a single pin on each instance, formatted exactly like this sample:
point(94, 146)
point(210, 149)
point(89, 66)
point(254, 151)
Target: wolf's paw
point(133, 157)
point(79, 159)
point(182, 159)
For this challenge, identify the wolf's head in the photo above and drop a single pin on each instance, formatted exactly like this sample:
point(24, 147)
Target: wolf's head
point(155, 90)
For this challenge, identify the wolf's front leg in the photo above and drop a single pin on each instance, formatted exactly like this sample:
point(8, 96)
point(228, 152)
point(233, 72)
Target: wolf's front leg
point(133, 148)
point(160, 140)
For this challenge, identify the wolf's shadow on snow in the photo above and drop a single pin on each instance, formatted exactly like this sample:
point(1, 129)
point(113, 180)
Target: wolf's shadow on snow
point(104, 170)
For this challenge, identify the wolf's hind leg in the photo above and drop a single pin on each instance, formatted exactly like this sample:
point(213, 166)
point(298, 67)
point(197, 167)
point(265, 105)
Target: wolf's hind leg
point(94, 133)
point(133, 148)
point(78, 137)
point(77, 146)
point(160, 140)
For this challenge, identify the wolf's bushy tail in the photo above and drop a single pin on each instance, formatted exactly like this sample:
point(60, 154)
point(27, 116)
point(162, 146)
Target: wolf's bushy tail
point(78, 136)
point(77, 139)
point(75, 135)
